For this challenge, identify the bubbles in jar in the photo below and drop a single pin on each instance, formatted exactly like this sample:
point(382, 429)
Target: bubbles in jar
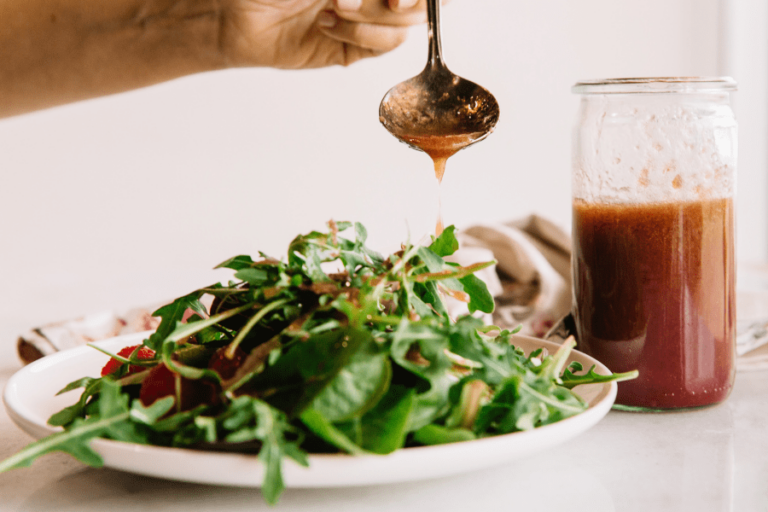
point(666, 152)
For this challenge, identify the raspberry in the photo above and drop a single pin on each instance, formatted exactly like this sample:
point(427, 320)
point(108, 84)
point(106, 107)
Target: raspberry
point(161, 382)
point(224, 366)
point(113, 364)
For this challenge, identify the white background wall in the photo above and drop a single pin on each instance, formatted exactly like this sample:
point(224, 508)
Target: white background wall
point(141, 193)
point(744, 55)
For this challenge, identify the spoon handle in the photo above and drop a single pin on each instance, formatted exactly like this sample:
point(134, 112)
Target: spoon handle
point(435, 59)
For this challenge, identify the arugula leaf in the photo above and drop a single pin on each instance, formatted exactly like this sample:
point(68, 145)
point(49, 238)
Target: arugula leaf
point(474, 394)
point(524, 401)
point(171, 315)
point(84, 382)
point(431, 346)
point(69, 414)
point(456, 278)
point(256, 420)
point(152, 414)
point(236, 263)
point(427, 293)
point(436, 265)
point(173, 423)
point(361, 234)
point(308, 252)
point(253, 276)
point(76, 439)
point(113, 403)
point(570, 380)
point(445, 244)
point(480, 299)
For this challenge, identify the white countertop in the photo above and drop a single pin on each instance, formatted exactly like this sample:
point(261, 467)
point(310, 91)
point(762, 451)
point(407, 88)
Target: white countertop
point(714, 459)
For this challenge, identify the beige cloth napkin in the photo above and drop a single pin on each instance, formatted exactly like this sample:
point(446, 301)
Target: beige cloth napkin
point(531, 281)
point(752, 345)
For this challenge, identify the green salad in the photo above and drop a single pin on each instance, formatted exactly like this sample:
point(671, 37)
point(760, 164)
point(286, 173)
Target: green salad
point(334, 349)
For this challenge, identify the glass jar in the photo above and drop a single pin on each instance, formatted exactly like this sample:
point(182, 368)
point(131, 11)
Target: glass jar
point(653, 181)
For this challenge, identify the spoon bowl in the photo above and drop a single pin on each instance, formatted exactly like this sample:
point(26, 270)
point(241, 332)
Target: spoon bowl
point(437, 109)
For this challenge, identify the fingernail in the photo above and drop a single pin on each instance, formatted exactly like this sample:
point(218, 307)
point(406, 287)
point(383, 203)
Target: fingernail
point(327, 19)
point(348, 5)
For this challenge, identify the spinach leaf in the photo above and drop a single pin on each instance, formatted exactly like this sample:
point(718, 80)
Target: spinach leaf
point(357, 387)
point(320, 426)
point(385, 427)
point(306, 368)
point(437, 434)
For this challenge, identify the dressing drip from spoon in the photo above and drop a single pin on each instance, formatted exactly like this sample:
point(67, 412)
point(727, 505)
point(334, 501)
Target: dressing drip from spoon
point(436, 111)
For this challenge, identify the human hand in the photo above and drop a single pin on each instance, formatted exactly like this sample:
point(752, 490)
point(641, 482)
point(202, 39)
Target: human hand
point(295, 34)
point(54, 52)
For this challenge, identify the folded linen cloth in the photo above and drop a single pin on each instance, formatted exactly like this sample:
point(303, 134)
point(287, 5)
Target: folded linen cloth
point(531, 284)
point(53, 337)
point(531, 279)
point(755, 360)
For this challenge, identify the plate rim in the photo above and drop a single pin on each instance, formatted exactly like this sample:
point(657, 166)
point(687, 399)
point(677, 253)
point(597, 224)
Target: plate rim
point(119, 455)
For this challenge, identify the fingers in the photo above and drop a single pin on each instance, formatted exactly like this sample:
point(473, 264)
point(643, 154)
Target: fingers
point(367, 28)
point(348, 5)
point(388, 12)
point(373, 37)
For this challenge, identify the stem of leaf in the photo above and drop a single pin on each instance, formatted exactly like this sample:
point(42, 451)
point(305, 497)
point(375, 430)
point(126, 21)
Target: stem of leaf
point(230, 353)
point(187, 330)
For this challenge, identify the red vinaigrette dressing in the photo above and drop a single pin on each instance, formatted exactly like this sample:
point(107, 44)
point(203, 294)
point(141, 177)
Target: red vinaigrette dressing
point(649, 298)
point(440, 148)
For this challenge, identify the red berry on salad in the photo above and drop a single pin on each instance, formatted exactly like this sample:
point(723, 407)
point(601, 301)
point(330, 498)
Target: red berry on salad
point(225, 366)
point(162, 382)
point(113, 364)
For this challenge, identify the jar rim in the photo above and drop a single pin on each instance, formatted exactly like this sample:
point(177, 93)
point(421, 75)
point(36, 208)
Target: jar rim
point(645, 85)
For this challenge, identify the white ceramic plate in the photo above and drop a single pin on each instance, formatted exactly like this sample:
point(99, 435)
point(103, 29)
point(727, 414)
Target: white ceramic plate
point(30, 400)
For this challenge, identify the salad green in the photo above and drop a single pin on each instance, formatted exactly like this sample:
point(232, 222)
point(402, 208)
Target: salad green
point(335, 349)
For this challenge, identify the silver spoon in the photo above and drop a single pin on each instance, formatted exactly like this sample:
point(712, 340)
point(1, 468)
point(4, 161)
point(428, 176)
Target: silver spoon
point(436, 111)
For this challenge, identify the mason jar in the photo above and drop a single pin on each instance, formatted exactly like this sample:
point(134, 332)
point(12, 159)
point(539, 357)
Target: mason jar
point(654, 163)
